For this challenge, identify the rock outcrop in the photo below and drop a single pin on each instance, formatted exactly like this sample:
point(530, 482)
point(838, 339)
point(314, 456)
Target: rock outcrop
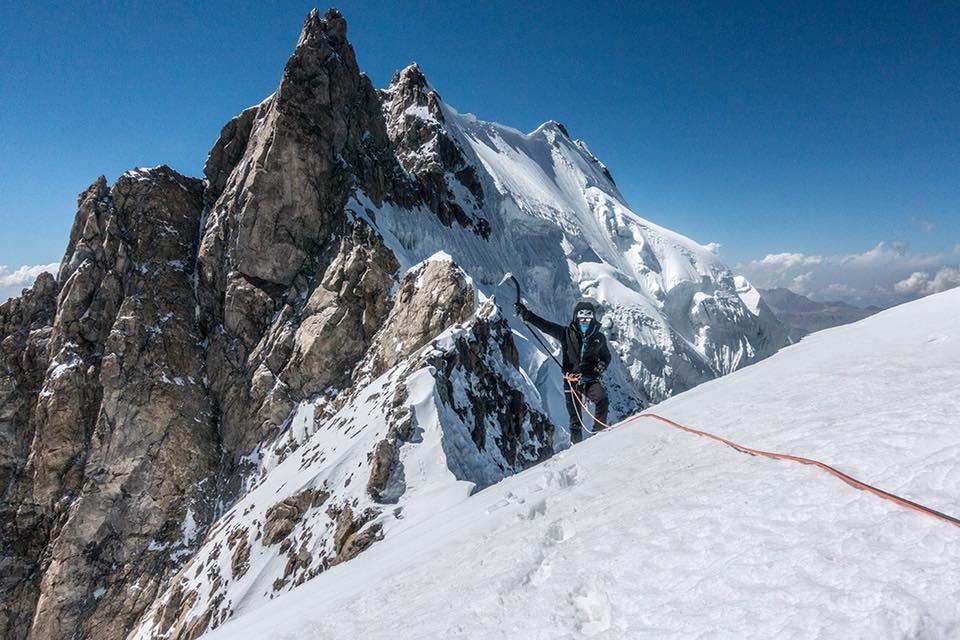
point(278, 254)
point(123, 446)
point(343, 486)
point(25, 328)
point(415, 125)
point(236, 383)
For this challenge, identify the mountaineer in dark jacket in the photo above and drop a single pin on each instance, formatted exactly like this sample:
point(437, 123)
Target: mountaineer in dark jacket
point(585, 357)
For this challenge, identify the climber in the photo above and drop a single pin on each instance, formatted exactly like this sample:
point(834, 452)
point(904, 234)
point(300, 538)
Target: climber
point(585, 357)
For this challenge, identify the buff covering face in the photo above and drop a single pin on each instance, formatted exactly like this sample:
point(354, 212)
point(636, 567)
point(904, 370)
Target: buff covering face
point(584, 318)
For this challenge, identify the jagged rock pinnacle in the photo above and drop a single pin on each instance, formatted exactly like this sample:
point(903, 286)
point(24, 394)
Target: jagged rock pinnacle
point(333, 26)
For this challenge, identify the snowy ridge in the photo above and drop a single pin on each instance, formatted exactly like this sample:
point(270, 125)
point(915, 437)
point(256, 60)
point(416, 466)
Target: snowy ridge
point(402, 448)
point(684, 537)
point(319, 323)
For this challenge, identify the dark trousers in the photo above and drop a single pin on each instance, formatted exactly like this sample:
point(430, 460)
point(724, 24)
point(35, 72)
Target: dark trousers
point(591, 391)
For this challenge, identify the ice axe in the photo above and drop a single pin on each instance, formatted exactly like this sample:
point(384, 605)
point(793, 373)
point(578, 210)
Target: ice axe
point(509, 276)
point(546, 347)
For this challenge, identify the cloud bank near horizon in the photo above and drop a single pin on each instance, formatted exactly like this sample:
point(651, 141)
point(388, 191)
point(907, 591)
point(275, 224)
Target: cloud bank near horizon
point(12, 282)
point(886, 275)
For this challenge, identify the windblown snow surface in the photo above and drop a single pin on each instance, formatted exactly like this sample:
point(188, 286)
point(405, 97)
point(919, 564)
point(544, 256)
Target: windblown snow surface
point(649, 532)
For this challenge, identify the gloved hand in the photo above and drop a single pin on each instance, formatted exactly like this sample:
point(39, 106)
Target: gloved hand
point(520, 310)
point(600, 368)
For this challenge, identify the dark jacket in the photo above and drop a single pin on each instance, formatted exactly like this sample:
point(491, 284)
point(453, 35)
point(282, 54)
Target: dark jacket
point(585, 353)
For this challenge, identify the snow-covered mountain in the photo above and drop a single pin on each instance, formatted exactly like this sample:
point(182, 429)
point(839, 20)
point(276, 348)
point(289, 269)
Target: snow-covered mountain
point(649, 532)
point(675, 313)
point(235, 384)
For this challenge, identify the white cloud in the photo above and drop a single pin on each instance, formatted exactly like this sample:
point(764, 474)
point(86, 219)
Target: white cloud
point(12, 282)
point(801, 282)
point(713, 247)
point(839, 289)
point(922, 283)
point(789, 260)
point(884, 275)
point(914, 284)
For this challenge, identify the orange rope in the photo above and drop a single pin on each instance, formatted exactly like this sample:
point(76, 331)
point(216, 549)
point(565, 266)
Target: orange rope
point(858, 484)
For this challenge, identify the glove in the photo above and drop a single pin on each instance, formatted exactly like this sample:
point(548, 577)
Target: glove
point(520, 310)
point(600, 368)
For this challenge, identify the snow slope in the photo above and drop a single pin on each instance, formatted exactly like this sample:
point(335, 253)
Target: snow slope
point(648, 532)
point(405, 445)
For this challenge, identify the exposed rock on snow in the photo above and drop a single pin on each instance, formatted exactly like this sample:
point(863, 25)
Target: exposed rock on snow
point(429, 299)
point(236, 384)
point(415, 122)
point(281, 517)
point(455, 416)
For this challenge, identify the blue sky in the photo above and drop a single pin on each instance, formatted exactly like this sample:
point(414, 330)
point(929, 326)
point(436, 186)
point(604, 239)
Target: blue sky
point(798, 129)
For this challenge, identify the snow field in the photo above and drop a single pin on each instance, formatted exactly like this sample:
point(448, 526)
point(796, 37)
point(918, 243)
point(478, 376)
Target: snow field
point(648, 532)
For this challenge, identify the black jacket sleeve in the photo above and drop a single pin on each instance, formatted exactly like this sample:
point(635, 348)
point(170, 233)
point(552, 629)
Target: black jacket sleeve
point(550, 328)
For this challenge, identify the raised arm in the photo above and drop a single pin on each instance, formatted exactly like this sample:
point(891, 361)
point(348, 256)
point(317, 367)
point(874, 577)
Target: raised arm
point(550, 328)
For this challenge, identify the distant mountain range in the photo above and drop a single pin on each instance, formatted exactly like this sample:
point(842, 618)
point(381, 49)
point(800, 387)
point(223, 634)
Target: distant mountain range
point(803, 316)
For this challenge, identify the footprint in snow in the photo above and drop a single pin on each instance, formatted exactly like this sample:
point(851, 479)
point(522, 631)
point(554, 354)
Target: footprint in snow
point(537, 509)
point(508, 498)
point(541, 572)
point(593, 609)
point(564, 478)
point(558, 532)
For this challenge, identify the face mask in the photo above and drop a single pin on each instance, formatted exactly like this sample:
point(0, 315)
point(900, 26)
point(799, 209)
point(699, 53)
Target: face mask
point(584, 326)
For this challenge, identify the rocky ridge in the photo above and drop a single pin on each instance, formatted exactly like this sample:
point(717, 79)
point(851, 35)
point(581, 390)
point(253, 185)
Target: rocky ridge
point(235, 383)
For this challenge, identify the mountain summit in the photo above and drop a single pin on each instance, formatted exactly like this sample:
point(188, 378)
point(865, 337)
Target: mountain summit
point(238, 382)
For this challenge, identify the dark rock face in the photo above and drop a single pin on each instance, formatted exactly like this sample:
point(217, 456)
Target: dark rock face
point(342, 315)
point(283, 273)
point(228, 151)
point(106, 499)
point(25, 327)
point(190, 318)
point(416, 130)
point(494, 410)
